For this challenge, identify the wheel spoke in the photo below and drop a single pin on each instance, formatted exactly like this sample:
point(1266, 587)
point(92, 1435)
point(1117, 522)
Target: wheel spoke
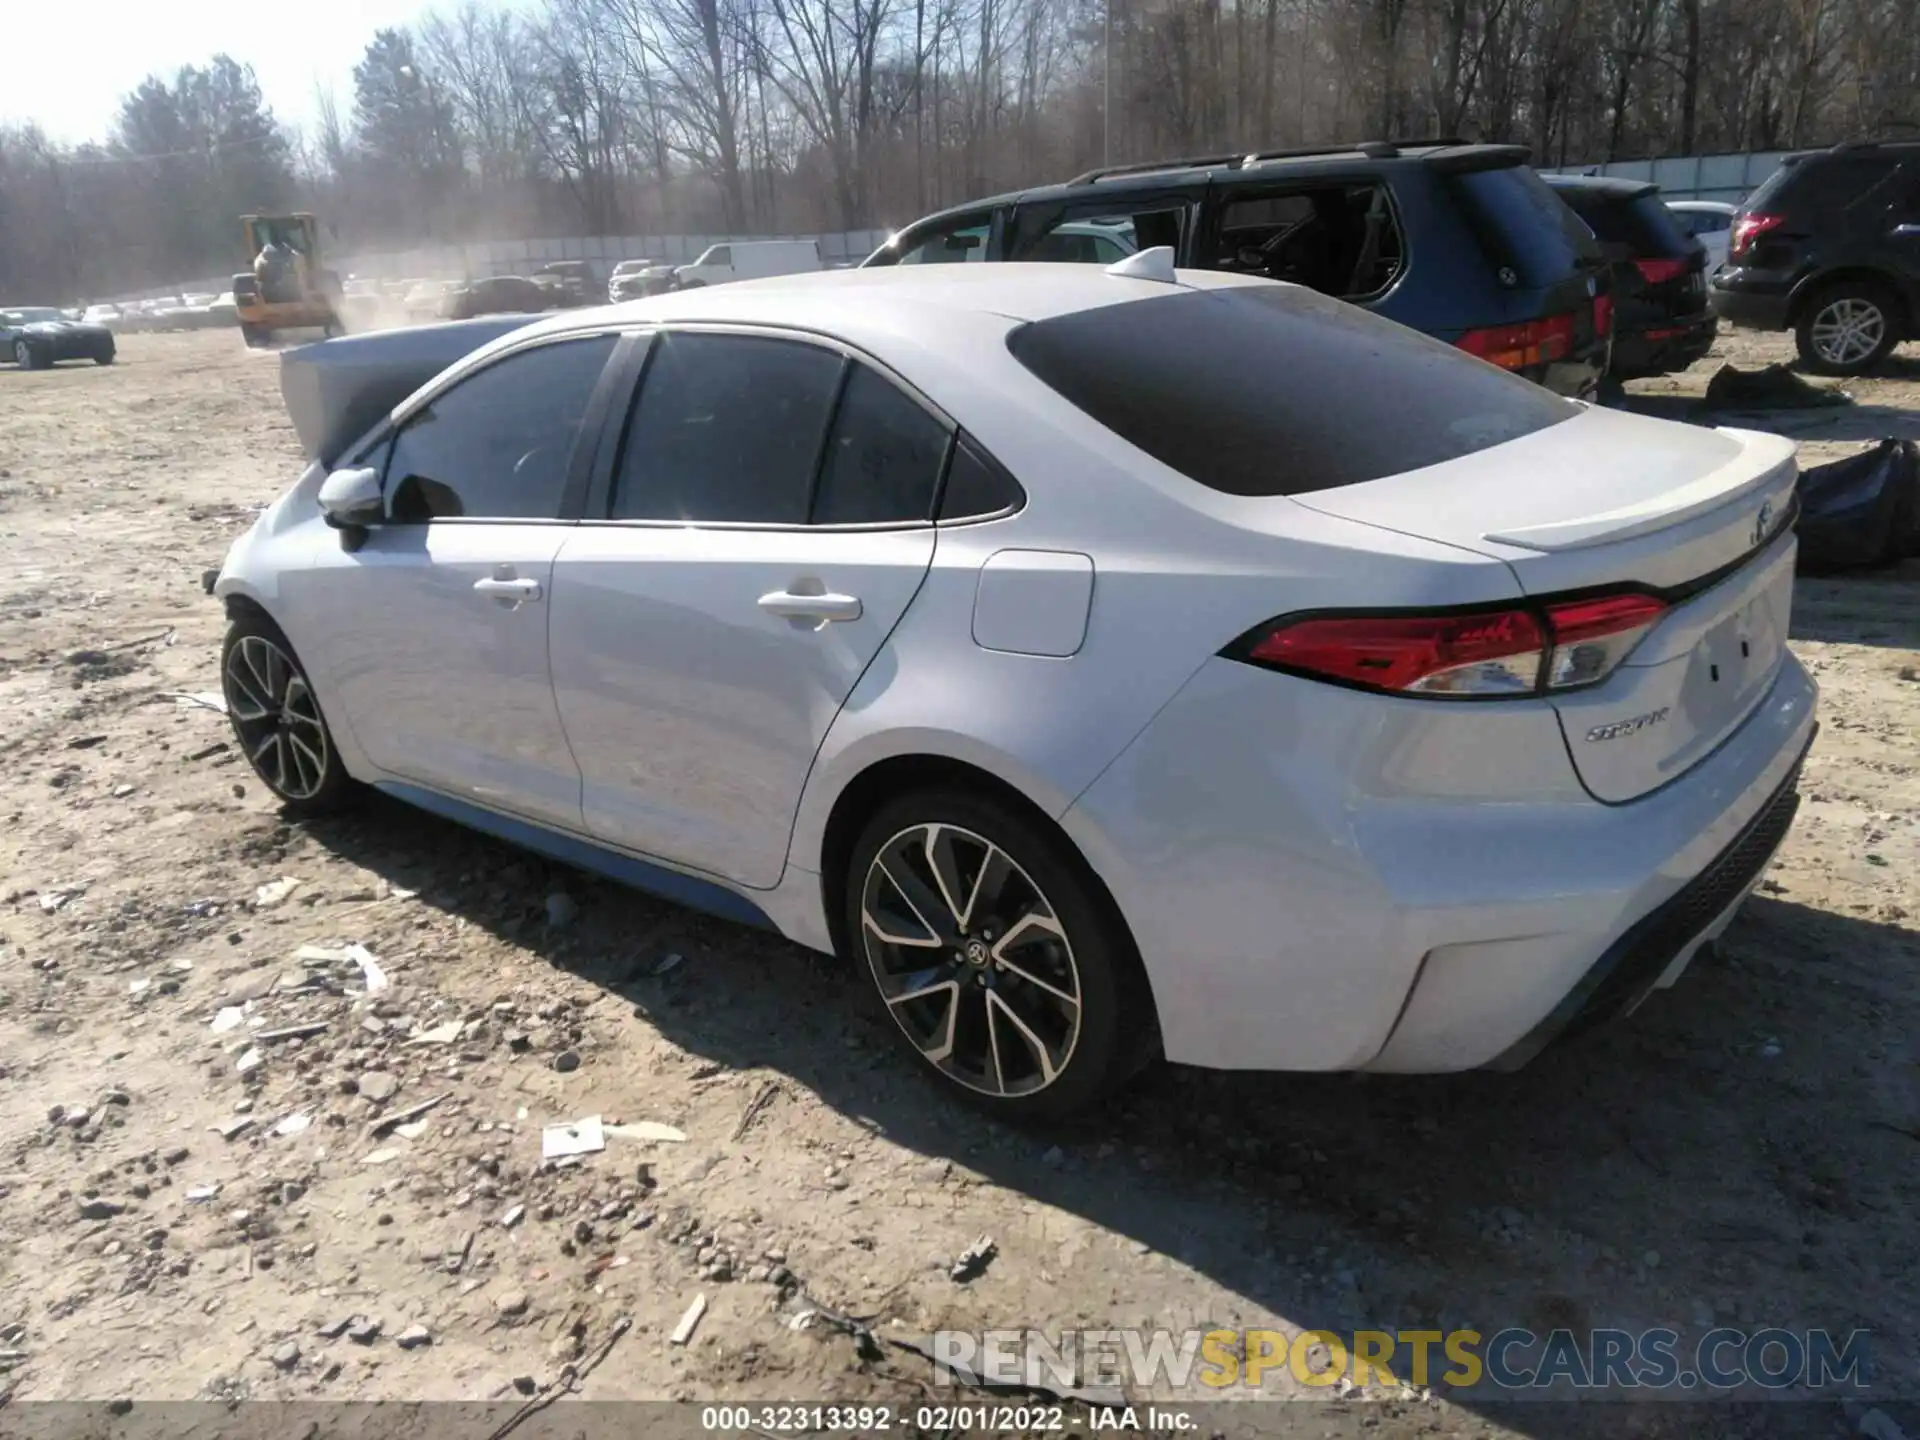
point(931, 940)
point(307, 763)
point(242, 703)
point(1034, 1043)
point(250, 651)
point(920, 898)
point(988, 883)
point(993, 1049)
point(1033, 979)
point(945, 870)
point(1035, 924)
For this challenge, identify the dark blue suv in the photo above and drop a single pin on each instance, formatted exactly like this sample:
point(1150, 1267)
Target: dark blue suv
point(1464, 242)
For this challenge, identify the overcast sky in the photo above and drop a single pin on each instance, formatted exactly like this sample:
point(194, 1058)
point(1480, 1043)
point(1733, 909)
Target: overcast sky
point(68, 62)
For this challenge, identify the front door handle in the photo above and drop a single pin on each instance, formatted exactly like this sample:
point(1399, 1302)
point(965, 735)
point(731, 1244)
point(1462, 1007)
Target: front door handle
point(824, 608)
point(1907, 232)
point(512, 591)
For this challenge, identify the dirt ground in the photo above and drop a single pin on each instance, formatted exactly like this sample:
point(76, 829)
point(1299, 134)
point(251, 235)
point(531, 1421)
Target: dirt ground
point(1744, 1151)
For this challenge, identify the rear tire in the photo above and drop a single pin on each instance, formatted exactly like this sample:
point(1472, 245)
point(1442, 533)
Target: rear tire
point(1013, 980)
point(1848, 328)
point(277, 720)
point(255, 336)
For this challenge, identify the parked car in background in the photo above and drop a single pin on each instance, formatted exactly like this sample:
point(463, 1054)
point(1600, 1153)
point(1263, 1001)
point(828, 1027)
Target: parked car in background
point(108, 315)
point(1829, 248)
point(1464, 242)
point(1711, 223)
point(426, 299)
point(495, 295)
point(636, 279)
point(1661, 320)
point(571, 282)
point(749, 260)
point(36, 336)
point(1107, 666)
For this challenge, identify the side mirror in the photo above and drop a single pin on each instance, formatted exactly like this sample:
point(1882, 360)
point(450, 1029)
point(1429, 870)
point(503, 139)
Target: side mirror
point(350, 501)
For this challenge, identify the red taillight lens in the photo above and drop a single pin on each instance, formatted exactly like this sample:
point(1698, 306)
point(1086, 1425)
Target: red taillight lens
point(1481, 653)
point(1659, 271)
point(1485, 653)
point(1515, 347)
point(1603, 314)
point(1749, 228)
point(1591, 637)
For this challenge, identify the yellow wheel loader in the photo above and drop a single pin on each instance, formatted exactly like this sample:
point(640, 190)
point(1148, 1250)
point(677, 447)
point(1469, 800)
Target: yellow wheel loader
point(287, 289)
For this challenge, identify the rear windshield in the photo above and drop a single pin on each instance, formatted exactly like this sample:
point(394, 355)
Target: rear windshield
point(1529, 227)
point(1277, 390)
point(1821, 182)
point(1637, 220)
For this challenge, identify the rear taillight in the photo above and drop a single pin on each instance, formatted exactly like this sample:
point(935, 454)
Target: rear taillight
point(1514, 651)
point(1659, 271)
point(1591, 637)
point(1516, 347)
point(1749, 228)
point(1603, 314)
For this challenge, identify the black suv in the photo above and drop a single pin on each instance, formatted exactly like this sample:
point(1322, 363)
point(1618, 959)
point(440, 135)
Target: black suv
point(1829, 247)
point(1661, 322)
point(1464, 242)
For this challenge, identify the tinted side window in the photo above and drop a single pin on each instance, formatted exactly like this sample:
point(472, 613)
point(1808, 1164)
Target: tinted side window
point(883, 459)
point(727, 428)
point(976, 485)
point(1273, 390)
point(496, 446)
point(1831, 182)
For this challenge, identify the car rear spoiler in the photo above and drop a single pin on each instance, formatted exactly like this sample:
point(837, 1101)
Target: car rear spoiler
point(337, 390)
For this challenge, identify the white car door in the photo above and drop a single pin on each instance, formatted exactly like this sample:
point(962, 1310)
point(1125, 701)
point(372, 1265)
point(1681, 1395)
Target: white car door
point(434, 631)
point(707, 631)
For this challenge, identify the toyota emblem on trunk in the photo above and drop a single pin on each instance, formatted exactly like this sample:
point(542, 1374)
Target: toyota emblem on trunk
point(1763, 523)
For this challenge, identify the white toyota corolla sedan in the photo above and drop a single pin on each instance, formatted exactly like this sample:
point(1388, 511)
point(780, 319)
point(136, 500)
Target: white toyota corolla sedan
point(1111, 663)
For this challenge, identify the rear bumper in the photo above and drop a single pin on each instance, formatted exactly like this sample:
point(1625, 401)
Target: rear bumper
point(1749, 308)
point(1319, 879)
point(1658, 945)
point(1663, 349)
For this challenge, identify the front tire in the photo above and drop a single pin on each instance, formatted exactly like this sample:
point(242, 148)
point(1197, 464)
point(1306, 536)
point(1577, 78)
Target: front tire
point(105, 357)
point(1848, 328)
point(28, 358)
point(277, 721)
point(997, 955)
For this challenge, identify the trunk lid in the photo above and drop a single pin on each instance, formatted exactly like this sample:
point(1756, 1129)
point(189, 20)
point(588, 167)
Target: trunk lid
point(1606, 500)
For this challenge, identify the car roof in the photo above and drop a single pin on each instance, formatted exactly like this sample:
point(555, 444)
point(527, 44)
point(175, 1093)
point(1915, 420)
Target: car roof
point(1176, 172)
point(914, 300)
point(1606, 186)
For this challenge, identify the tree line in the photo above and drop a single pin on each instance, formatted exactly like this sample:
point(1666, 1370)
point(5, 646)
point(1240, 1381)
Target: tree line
point(603, 117)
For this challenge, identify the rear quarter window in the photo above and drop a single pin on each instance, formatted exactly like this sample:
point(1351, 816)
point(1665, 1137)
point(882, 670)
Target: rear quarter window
point(1277, 390)
point(1822, 183)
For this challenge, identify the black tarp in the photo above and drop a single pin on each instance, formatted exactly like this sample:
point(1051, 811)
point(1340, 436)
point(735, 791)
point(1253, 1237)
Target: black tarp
point(1861, 511)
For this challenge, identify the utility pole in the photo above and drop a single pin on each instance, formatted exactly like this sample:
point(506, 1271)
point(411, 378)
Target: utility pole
point(1106, 98)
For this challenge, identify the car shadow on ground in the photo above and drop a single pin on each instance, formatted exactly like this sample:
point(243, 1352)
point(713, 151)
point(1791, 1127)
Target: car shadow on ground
point(1736, 1153)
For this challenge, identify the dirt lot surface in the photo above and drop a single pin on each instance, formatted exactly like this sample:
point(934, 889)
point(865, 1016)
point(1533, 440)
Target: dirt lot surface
point(193, 1199)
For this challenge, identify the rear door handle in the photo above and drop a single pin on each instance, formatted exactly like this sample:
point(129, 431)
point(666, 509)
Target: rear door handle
point(811, 607)
point(512, 590)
